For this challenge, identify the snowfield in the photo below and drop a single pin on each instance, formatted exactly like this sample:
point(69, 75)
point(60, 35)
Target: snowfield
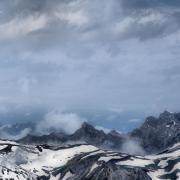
point(22, 162)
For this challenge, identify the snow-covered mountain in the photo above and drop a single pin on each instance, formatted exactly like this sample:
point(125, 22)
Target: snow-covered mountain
point(84, 162)
point(149, 152)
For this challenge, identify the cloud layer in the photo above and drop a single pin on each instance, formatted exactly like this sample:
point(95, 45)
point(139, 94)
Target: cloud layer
point(87, 55)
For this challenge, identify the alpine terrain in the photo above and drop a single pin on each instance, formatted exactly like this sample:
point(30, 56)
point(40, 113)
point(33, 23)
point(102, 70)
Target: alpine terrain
point(91, 154)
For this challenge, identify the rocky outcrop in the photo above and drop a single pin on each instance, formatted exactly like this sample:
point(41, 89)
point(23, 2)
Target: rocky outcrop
point(159, 133)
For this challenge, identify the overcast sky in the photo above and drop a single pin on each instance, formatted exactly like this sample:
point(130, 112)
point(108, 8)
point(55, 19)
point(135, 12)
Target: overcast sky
point(90, 55)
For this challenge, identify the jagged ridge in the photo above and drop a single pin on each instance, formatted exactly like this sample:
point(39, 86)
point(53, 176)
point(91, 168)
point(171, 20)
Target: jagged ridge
point(84, 162)
point(154, 135)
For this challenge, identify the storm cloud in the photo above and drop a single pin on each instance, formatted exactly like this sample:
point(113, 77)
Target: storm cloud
point(90, 54)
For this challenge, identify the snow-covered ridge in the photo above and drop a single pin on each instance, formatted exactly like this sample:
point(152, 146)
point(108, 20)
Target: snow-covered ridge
point(84, 162)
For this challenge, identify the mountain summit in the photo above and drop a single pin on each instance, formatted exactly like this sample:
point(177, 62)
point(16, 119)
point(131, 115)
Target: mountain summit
point(159, 133)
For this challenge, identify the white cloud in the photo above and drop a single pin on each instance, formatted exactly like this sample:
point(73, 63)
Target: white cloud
point(135, 120)
point(156, 18)
point(19, 27)
point(106, 130)
point(6, 135)
point(77, 18)
point(66, 122)
point(132, 147)
point(123, 26)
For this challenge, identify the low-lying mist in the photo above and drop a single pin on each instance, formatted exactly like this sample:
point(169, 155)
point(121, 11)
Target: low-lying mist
point(53, 121)
point(132, 147)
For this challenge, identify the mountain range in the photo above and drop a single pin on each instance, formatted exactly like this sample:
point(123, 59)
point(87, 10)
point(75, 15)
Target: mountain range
point(155, 135)
point(84, 162)
point(150, 152)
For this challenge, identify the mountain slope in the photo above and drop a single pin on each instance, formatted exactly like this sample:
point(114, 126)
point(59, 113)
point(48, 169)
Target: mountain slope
point(159, 133)
point(84, 162)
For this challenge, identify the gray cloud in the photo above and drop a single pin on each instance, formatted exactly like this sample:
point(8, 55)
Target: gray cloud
point(132, 147)
point(7, 135)
point(59, 22)
point(90, 54)
point(54, 120)
point(145, 4)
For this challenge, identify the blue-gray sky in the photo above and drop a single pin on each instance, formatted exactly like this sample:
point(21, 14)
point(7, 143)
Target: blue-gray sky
point(113, 56)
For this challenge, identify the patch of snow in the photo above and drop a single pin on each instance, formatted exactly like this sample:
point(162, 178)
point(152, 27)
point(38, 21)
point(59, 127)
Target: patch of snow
point(108, 158)
point(93, 153)
point(136, 162)
point(54, 159)
point(94, 166)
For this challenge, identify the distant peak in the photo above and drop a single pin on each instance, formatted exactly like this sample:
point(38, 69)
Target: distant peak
point(166, 114)
point(86, 125)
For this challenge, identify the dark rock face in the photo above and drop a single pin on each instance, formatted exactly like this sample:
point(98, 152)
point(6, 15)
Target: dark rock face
point(159, 133)
point(80, 170)
point(88, 133)
point(98, 138)
point(6, 150)
point(130, 174)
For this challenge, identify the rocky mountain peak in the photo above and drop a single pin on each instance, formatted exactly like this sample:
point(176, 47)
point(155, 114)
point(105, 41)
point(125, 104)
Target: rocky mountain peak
point(166, 115)
point(159, 133)
point(150, 121)
point(87, 126)
point(169, 119)
point(87, 131)
point(164, 118)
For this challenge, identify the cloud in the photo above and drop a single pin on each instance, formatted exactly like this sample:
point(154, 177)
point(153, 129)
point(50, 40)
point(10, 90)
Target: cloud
point(18, 27)
point(106, 130)
point(145, 4)
point(59, 121)
point(73, 18)
point(7, 135)
point(26, 84)
point(90, 55)
point(57, 18)
point(132, 147)
point(134, 120)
